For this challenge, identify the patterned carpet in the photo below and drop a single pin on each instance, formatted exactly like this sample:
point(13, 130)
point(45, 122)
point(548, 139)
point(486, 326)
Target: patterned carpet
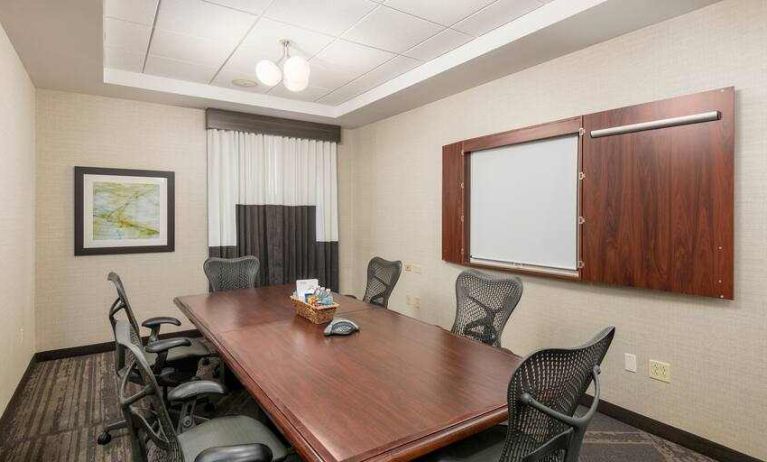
point(65, 403)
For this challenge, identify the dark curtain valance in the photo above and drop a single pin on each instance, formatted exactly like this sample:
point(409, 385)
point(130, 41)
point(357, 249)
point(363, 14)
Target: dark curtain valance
point(243, 122)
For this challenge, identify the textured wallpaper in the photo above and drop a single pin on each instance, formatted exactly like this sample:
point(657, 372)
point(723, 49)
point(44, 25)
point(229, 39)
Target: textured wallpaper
point(17, 219)
point(391, 207)
point(73, 295)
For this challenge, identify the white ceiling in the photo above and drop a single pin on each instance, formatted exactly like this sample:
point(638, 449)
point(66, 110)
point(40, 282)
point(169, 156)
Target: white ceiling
point(369, 59)
point(352, 45)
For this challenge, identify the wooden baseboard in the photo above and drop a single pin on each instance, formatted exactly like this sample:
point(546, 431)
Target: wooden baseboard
point(16, 397)
point(675, 435)
point(100, 347)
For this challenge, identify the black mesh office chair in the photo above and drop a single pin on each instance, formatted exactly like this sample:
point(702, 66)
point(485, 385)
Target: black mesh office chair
point(382, 277)
point(231, 273)
point(543, 395)
point(153, 435)
point(173, 361)
point(484, 304)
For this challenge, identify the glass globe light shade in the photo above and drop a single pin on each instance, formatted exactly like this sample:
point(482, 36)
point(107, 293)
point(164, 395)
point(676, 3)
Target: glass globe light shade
point(268, 73)
point(296, 70)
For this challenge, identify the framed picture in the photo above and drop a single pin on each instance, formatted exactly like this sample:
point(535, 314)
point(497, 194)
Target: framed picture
point(123, 211)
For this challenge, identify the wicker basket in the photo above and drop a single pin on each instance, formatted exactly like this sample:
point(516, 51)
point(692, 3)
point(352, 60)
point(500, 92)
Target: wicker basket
point(315, 314)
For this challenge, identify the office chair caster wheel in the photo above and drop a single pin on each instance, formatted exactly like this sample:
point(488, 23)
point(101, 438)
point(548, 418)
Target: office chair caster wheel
point(104, 438)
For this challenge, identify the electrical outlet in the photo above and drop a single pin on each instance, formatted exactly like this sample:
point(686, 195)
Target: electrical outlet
point(414, 301)
point(408, 267)
point(660, 371)
point(630, 362)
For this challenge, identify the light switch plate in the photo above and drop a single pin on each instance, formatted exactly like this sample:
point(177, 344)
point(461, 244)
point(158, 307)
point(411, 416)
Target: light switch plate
point(630, 362)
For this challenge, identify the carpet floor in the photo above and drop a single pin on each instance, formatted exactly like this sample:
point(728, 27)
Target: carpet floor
point(65, 403)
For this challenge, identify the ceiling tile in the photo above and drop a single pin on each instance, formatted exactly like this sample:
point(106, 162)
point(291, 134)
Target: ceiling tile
point(250, 6)
point(138, 11)
point(329, 16)
point(267, 33)
point(189, 48)
point(446, 12)
point(496, 15)
point(372, 79)
point(203, 19)
point(118, 58)
point(133, 38)
point(311, 93)
point(171, 68)
point(225, 78)
point(328, 76)
point(352, 58)
point(391, 30)
point(438, 45)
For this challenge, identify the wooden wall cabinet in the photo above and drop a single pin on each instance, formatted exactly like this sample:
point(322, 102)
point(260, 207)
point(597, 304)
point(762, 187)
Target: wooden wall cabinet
point(657, 202)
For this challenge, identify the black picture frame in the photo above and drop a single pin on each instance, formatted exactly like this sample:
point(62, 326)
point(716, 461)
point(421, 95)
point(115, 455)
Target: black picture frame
point(79, 175)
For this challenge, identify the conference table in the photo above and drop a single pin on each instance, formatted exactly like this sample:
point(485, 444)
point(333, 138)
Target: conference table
point(397, 389)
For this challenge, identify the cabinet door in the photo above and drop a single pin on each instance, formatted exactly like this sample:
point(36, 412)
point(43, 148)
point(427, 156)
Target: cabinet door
point(658, 203)
point(452, 203)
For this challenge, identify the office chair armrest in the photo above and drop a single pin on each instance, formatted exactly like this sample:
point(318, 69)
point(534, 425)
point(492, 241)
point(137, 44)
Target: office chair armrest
point(195, 389)
point(155, 323)
point(255, 452)
point(162, 346)
point(577, 422)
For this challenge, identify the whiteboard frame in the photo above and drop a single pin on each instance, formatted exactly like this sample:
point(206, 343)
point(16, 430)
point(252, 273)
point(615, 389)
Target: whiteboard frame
point(566, 127)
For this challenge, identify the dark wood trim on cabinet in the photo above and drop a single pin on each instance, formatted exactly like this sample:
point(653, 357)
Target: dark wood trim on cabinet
point(243, 122)
point(452, 203)
point(523, 135)
point(681, 437)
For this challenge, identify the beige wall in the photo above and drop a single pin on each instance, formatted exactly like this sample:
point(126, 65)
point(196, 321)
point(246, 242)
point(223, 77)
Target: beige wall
point(716, 349)
point(73, 295)
point(17, 219)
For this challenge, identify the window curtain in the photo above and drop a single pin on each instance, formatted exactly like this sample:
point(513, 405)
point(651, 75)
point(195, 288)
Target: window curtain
point(275, 198)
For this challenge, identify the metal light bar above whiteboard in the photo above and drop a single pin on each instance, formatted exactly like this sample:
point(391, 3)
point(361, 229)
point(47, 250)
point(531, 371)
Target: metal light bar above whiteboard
point(655, 124)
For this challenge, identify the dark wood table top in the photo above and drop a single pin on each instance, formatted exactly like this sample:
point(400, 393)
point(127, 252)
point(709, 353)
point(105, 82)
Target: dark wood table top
point(397, 389)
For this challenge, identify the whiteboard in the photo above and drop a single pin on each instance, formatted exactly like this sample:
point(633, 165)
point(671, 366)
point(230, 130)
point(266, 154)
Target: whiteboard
point(524, 205)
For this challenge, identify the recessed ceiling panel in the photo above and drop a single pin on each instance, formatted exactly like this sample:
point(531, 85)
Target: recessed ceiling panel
point(351, 57)
point(438, 45)
point(377, 76)
point(173, 69)
point(138, 11)
point(496, 15)
point(203, 19)
point(328, 16)
point(391, 30)
point(128, 36)
point(445, 12)
point(189, 48)
point(249, 6)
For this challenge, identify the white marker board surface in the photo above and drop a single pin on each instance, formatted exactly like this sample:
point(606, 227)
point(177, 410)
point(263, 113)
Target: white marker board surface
point(524, 204)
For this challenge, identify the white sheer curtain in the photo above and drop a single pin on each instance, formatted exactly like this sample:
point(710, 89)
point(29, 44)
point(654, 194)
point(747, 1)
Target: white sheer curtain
point(248, 175)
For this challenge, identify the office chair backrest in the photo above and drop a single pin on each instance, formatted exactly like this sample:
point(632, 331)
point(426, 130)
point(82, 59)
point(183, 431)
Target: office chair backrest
point(121, 304)
point(149, 423)
point(231, 273)
point(558, 379)
point(484, 304)
point(382, 277)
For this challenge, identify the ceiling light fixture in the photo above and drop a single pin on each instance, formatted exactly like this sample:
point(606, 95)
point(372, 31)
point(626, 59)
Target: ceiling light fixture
point(294, 73)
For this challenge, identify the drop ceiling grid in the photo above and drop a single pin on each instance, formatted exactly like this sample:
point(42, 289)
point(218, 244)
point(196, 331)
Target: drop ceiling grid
point(208, 40)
